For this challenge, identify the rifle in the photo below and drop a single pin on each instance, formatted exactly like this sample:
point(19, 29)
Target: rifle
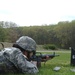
point(42, 58)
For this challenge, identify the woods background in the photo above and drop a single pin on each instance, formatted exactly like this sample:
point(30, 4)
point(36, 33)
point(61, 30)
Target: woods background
point(62, 34)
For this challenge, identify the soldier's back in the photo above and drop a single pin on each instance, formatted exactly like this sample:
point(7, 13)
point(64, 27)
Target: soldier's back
point(6, 65)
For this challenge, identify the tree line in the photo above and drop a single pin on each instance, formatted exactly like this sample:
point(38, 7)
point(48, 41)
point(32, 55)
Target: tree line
point(62, 34)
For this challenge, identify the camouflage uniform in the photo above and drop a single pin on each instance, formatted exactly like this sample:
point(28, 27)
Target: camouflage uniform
point(12, 60)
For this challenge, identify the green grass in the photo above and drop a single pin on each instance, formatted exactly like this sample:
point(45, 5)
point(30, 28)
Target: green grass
point(62, 61)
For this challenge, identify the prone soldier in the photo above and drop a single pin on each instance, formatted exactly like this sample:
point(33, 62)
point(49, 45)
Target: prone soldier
point(21, 57)
point(15, 59)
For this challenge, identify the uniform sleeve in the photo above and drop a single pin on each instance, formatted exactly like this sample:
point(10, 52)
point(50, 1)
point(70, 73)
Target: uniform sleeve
point(23, 64)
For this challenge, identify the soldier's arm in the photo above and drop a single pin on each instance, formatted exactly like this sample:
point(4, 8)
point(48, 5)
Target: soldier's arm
point(22, 63)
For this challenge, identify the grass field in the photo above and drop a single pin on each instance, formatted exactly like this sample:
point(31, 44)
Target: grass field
point(62, 61)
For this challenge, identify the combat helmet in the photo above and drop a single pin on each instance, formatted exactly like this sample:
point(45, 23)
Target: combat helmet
point(26, 43)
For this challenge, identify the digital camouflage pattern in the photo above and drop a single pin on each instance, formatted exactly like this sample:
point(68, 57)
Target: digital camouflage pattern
point(26, 43)
point(12, 60)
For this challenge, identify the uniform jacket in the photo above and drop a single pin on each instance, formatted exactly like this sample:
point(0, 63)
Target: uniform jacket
point(12, 60)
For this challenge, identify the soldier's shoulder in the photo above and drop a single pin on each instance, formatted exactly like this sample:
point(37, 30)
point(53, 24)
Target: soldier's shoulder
point(11, 50)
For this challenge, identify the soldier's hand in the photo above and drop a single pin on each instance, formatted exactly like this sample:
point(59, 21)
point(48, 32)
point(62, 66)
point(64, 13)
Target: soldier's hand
point(47, 58)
